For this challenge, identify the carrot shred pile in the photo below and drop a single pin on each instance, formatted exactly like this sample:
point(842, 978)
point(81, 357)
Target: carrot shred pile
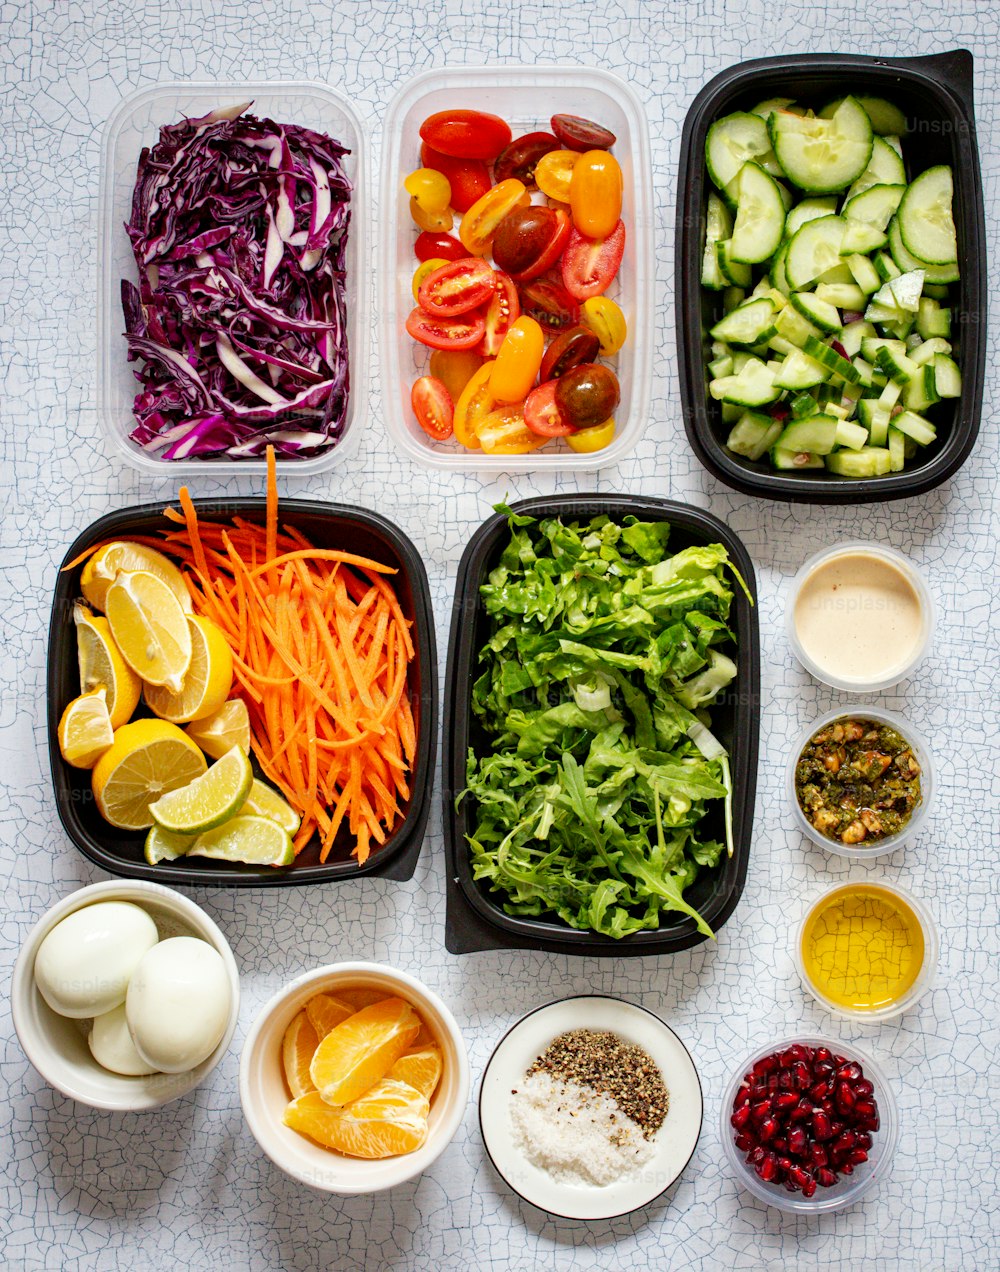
point(321, 652)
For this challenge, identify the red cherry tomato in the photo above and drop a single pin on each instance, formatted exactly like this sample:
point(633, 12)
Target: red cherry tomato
point(462, 332)
point(577, 133)
point(550, 304)
point(466, 134)
point(530, 240)
point(504, 311)
point(589, 266)
point(457, 287)
point(469, 178)
point(543, 414)
point(433, 407)
point(520, 158)
point(588, 394)
point(430, 245)
point(569, 349)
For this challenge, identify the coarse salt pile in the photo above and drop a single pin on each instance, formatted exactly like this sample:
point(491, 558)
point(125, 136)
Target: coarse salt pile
point(588, 1108)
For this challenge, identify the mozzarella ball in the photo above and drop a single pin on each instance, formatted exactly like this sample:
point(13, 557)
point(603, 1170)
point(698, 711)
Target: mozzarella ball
point(83, 966)
point(178, 1004)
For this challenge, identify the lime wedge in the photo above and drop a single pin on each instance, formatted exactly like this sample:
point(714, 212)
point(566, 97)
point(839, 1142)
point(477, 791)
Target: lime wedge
point(256, 841)
point(209, 800)
point(265, 801)
point(164, 845)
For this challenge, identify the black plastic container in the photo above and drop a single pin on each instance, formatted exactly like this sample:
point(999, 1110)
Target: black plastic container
point(935, 93)
point(326, 526)
point(475, 918)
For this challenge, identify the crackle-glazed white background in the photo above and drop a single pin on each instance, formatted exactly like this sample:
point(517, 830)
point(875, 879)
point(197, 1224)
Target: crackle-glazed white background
point(186, 1187)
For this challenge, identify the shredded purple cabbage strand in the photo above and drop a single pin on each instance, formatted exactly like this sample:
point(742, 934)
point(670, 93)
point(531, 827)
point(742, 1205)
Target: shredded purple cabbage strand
point(239, 229)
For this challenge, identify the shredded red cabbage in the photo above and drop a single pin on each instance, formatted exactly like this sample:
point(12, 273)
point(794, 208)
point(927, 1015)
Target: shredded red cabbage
point(239, 229)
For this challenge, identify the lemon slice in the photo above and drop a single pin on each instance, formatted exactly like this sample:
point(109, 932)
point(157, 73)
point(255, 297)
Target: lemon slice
point(85, 731)
point(150, 628)
point(104, 567)
point(255, 841)
point(265, 801)
point(164, 845)
point(225, 728)
point(209, 800)
point(101, 665)
point(146, 759)
point(207, 681)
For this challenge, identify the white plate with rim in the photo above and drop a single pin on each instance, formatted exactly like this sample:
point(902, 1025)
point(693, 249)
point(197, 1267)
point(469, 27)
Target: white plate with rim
point(674, 1143)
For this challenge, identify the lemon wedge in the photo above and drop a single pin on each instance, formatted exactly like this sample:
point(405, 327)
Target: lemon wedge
point(208, 801)
point(150, 628)
point(225, 728)
point(85, 731)
point(255, 841)
point(207, 682)
point(146, 759)
point(101, 665)
point(104, 566)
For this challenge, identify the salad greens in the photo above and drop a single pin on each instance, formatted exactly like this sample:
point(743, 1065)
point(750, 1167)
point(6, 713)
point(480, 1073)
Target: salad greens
point(602, 661)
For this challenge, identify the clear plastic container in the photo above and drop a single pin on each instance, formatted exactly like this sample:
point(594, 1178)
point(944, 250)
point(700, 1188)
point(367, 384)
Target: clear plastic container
point(928, 968)
point(862, 851)
point(526, 97)
point(849, 1188)
point(891, 674)
point(136, 123)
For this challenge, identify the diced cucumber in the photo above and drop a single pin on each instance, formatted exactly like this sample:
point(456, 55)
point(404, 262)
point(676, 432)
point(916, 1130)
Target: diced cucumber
point(875, 419)
point(794, 326)
point(852, 335)
point(842, 295)
point(740, 359)
point(901, 293)
point(875, 206)
point(776, 272)
point(936, 291)
point(865, 274)
point(789, 459)
point(720, 367)
point(893, 139)
point(816, 310)
point(870, 346)
point(890, 395)
point(732, 297)
point(886, 267)
point(883, 314)
point(761, 288)
point(822, 156)
point(859, 237)
point(920, 391)
point(753, 435)
point(747, 324)
point(799, 371)
point(926, 350)
point(837, 275)
point(778, 344)
point(752, 385)
point(900, 329)
point(735, 140)
point(869, 377)
point(947, 376)
point(815, 434)
point(730, 412)
point(718, 225)
point(925, 218)
point(932, 319)
point(885, 167)
point(853, 436)
point(764, 108)
point(896, 365)
point(915, 426)
point(897, 451)
point(804, 404)
point(906, 261)
point(870, 461)
point(814, 249)
point(760, 216)
point(809, 210)
point(831, 359)
point(733, 271)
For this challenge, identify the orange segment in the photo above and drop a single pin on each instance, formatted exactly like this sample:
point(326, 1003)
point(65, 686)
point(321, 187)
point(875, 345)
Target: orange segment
point(325, 1013)
point(391, 1119)
point(361, 997)
point(297, 1050)
point(419, 1069)
point(356, 1054)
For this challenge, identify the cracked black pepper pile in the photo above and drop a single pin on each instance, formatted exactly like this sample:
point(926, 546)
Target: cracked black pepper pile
point(613, 1067)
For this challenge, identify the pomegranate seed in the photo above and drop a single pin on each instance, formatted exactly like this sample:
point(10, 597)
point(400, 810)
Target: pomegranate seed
point(801, 1113)
point(802, 1075)
point(844, 1142)
point(767, 1129)
point(865, 1111)
point(864, 1088)
point(742, 1096)
point(857, 1157)
point(786, 1080)
point(784, 1101)
point(864, 1140)
point(821, 1125)
point(741, 1117)
point(744, 1143)
point(850, 1072)
point(836, 1126)
point(799, 1176)
point(825, 1178)
point(847, 1169)
point(809, 1187)
point(760, 1111)
point(784, 1165)
point(845, 1097)
point(765, 1066)
point(823, 1055)
point(819, 1091)
point(757, 1155)
point(818, 1155)
point(768, 1168)
point(797, 1142)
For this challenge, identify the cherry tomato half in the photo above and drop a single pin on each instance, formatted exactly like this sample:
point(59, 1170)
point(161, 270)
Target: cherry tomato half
point(589, 265)
point(421, 272)
point(466, 134)
point(530, 240)
point(543, 414)
point(433, 407)
point(480, 222)
point(503, 312)
point(550, 304)
point(588, 394)
point(474, 404)
point(455, 368)
point(553, 173)
point(469, 178)
point(595, 194)
point(437, 222)
point(456, 287)
point(504, 432)
point(521, 157)
point(606, 320)
point(569, 349)
point(577, 133)
point(437, 332)
point(518, 361)
point(586, 440)
point(430, 245)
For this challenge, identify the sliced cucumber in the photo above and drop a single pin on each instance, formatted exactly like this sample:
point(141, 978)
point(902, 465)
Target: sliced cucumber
point(733, 141)
point(764, 108)
point(870, 461)
point(753, 435)
point(947, 376)
point(817, 311)
point(718, 225)
point(905, 260)
point(875, 206)
point(842, 295)
point(734, 272)
point(794, 326)
point(925, 218)
point(864, 273)
point(815, 434)
point(799, 371)
point(732, 297)
point(932, 319)
point(920, 391)
point(809, 210)
point(788, 459)
point(886, 267)
point(747, 324)
point(760, 216)
point(886, 118)
point(814, 249)
point(897, 366)
point(927, 350)
point(752, 385)
point(852, 335)
point(936, 291)
point(870, 346)
point(875, 419)
point(885, 167)
point(804, 404)
point(851, 435)
point(859, 237)
point(897, 450)
point(720, 367)
point(831, 359)
point(776, 273)
point(915, 426)
point(822, 155)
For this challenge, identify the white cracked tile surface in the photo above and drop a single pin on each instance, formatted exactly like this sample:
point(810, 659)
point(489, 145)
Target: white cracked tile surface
point(186, 1186)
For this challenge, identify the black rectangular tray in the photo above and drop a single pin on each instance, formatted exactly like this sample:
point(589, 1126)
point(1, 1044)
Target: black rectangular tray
point(935, 93)
point(475, 918)
point(326, 526)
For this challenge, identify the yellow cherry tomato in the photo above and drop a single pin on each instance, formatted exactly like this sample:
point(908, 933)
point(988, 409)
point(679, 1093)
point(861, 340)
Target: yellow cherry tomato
point(553, 173)
point(433, 219)
point(474, 404)
point(430, 188)
point(592, 439)
point(595, 194)
point(480, 222)
point(421, 272)
point(606, 321)
point(504, 432)
point(455, 368)
point(517, 363)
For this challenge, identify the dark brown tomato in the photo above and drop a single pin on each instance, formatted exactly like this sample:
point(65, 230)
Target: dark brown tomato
point(527, 235)
point(571, 348)
point(550, 304)
point(520, 158)
point(577, 133)
point(588, 394)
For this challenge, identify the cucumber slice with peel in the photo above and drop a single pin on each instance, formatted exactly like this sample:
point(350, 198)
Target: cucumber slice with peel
point(809, 210)
point(864, 273)
point(902, 292)
point(905, 260)
point(734, 272)
point(870, 461)
point(915, 426)
point(747, 324)
point(815, 434)
point(799, 371)
point(859, 237)
point(947, 376)
point(831, 359)
point(926, 224)
point(823, 155)
point(753, 385)
point(787, 460)
point(885, 117)
point(885, 167)
point(842, 295)
point(875, 206)
point(897, 450)
point(814, 249)
point(760, 216)
point(718, 226)
point(817, 311)
point(753, 435)
point(735, 140)
point(851, 435)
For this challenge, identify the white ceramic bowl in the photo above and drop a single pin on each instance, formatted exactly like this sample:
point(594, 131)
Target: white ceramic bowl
point(57, 1047)
point(264, 1095)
